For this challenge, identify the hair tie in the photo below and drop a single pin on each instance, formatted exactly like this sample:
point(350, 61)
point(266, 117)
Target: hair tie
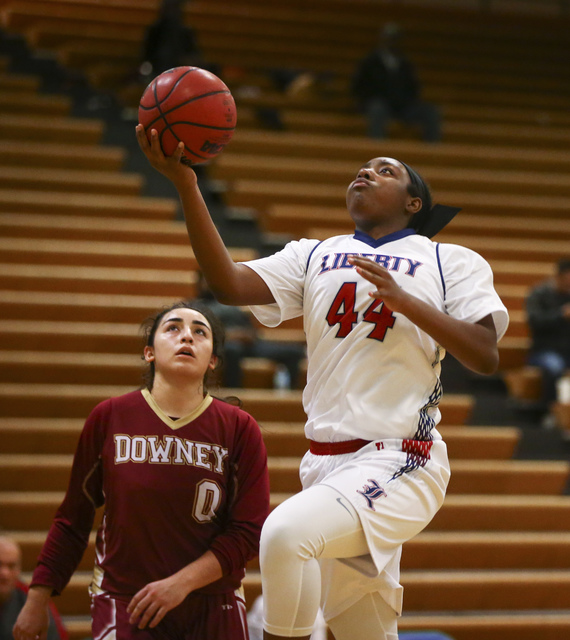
point(439, 216)
point(429, 220)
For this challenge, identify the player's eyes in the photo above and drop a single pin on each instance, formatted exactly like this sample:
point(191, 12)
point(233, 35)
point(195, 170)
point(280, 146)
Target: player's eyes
point(386, 170)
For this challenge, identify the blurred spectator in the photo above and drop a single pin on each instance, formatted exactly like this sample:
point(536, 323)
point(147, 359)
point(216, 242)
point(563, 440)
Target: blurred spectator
point(386, 88)
point(169, 43)
point(243, 341)
point(548, 314)
point(13, 593)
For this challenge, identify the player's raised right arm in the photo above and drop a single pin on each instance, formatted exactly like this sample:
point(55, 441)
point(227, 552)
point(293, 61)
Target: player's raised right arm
point(231, 283)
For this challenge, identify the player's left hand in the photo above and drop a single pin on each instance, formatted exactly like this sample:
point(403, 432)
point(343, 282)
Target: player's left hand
point(387, 289)
point(153, 602)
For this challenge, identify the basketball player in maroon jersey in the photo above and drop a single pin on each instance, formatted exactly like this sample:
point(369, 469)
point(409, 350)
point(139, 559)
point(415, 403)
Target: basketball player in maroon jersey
point(184, 483)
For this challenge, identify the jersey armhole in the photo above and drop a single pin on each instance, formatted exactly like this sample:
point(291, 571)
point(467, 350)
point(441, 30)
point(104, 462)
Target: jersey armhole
point(311, 255)
point(440, 269)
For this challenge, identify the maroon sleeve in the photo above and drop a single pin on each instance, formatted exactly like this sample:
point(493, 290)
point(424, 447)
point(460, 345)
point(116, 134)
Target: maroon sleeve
point(69, 533)
point(240, 541)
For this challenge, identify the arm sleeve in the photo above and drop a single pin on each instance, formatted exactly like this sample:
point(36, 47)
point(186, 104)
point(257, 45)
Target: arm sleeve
point(69, 533)
point(468, 287)
point(239, 542)
point(284, 273)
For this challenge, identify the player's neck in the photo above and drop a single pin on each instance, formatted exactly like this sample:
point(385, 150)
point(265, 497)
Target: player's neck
point(177, 400)
point(378, 231)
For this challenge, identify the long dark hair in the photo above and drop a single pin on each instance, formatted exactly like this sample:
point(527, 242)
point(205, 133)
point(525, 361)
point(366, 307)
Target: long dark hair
point(150, 326)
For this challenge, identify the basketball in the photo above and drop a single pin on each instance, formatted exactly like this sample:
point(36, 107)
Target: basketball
point(191, 105)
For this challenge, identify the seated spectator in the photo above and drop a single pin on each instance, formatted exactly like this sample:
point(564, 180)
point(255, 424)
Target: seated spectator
point(386, 88)
point(548, 314)
point(169, 43)
point(13, 593)
point(243, 341)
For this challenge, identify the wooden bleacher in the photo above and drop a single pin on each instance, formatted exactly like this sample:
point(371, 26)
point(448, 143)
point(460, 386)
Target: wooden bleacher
point(494, 564)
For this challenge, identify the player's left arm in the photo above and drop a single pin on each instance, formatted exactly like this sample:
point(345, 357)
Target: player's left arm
point(149, 605)
point(473, 344)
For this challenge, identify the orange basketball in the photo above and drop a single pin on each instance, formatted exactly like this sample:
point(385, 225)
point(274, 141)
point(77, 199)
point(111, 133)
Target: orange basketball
point(191, 105)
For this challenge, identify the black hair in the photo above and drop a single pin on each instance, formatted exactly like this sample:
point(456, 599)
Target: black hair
point(419, 188)
point(150, 326)
point(431, 218)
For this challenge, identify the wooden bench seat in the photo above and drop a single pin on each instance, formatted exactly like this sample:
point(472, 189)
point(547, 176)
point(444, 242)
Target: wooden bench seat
point(18, 15)
point(92, 229)
point(54, 435)
point(505, 477)
point(425, 591)
point(502, 513)
point(34, 128)
point(20, 83)
point(145, 255)
point(84, 307)
point(513, 351)
point(28, 103)
point(33, 511)
point(81, 368)
point(427, 551)
point(61, 156)
point(81, 54)
point(509, 626)
point(522, 626)
point(261, 194)
point(360, 150)
point(524, 384)
point(14, 200)
point(51, 34)
point(350, 121)
point(50, 472)
point(339, 172)
point(76, 401)
point(107, 280)
point(421, 41)
point(70, 180)
point(487, 550)
point(517, 249)
point(297, 220)
point(86, 367)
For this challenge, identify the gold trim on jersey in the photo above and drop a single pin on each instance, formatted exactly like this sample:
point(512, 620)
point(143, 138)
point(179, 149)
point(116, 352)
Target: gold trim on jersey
point(181, 422)
point(95, 588)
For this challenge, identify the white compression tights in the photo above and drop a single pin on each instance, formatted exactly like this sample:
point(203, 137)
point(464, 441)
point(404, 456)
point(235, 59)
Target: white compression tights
point(316, 523)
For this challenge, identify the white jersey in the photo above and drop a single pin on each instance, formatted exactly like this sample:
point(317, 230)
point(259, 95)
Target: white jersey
point(372, 373)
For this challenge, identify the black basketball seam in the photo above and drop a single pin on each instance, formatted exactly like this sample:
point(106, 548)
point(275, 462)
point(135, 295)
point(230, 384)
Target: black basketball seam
point(167, 128)
point(173, 86)
point(157, 102)
point(163, 114)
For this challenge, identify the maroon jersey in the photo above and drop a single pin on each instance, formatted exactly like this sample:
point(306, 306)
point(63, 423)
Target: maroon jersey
point(172, 490)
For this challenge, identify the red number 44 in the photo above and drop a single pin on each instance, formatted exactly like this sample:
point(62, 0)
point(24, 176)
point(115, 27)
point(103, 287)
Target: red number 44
point(342, 312)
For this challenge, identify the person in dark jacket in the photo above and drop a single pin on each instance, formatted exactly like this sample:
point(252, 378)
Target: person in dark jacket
point(386, 87)
point(13, 594)
point(548, 315)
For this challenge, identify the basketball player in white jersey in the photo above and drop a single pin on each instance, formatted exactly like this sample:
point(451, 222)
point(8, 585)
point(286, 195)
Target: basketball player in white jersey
point(380, 308)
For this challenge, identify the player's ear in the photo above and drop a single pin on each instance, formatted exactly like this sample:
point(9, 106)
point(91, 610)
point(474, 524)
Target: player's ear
point(148, 354)
point(213, 363)
point(413, 205)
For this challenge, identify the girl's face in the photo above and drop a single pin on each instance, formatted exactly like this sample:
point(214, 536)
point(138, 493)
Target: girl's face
point(183, 345)
point(379, 195)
